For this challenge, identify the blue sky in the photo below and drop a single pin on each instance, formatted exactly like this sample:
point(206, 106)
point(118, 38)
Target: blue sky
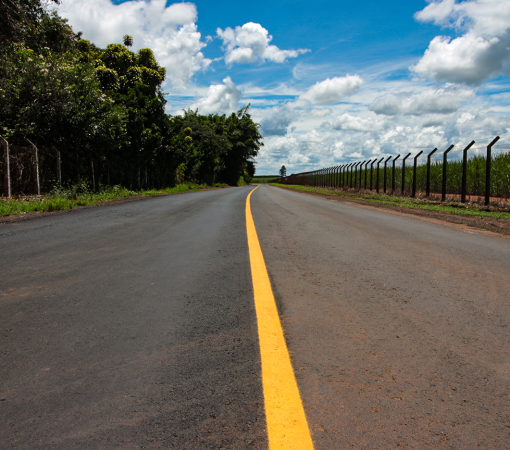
point(338, 81)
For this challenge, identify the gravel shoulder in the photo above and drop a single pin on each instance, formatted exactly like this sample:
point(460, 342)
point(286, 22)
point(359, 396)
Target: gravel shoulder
point(498, 226)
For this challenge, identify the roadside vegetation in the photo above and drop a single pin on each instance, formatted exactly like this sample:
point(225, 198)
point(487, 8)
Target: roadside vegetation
point(264, 179)
point(451, 206)
point(81, 195)
point(98, 114)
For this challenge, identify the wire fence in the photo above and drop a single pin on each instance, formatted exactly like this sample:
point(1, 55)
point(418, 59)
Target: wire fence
point(32, 170)
point(473, 172)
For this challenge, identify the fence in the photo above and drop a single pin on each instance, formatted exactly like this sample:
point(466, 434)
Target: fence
point(33, 170)
point(486, 175)
point(25, 169)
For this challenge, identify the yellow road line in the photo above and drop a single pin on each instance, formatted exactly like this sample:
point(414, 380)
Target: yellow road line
point(286, 421)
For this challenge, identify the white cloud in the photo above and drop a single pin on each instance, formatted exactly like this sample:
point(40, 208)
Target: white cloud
point(481, 52)
point(321, 112)
point(220, 98)
point(251, 43)
point(277, 121)
point(357, 123)
point(429, 101)
point(332, 90)
point(170, 31)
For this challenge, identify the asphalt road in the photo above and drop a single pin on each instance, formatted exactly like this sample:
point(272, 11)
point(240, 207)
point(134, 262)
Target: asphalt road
point(132, 326)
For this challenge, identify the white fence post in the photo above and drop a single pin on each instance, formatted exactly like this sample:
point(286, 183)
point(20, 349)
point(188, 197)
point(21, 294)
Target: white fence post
point(7, 174)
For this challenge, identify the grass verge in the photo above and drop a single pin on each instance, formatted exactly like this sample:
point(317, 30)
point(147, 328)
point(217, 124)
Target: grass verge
point(466, 209)
point(80, 195)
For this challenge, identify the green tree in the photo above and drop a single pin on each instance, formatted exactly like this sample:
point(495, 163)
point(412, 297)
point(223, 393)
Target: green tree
point(283, 171)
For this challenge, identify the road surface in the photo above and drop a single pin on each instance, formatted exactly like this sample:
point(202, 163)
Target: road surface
point(133, 326)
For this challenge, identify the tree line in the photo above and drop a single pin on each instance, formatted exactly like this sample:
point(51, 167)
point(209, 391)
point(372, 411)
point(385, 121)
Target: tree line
point(103, 109)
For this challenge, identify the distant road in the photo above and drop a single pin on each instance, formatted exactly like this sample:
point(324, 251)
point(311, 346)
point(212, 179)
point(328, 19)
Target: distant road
point(133, 326)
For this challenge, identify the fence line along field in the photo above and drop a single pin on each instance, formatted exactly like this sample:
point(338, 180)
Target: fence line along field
point(474, 171)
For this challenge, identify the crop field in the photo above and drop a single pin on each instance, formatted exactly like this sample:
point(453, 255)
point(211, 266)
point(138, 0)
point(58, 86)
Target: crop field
point(264, 179)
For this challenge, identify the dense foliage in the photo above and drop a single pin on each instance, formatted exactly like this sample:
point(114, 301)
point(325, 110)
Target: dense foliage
point(103, 111)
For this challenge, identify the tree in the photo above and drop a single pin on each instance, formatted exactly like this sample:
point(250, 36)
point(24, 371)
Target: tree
point(128, 40)
point(283, 172)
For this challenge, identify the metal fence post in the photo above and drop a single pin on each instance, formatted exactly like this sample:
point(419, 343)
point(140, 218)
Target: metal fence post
point(377, 178)
point(445, 164)
point(413, 193)
point(366, 173)
point(393, 176)
point(427, 187)
point(464, 172)
point(372, 172)
point(385, 163)
point(488, 165)
point(403, 187)
point(7, 174)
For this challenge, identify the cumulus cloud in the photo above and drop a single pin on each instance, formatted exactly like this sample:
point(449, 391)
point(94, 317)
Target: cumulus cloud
point(277, 121)
point(170, 31)
point(220, 98)
point(481, 52)
point(332, 90)
point(357, 123)
point(251, 43)
point(430, 101)
point(320, 112)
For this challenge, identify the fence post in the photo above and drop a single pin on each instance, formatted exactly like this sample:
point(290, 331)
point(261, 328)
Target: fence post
point(427, 187)
point(393, 176)
point(413, 193)
point(372, 173)
point(7, 174)
point(366, 173)
point(403, 187)
point(385, 163)
point(488, 171)
point(445, 164)
point(377, 178)
point(36, 168)
point(464, 172)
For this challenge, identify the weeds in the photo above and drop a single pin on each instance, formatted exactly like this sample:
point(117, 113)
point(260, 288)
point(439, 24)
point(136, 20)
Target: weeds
point(451, 207)
point(61, 198)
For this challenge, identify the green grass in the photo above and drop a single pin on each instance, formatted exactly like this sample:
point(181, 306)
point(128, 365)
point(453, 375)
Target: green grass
point(80, 195)
point(405, 202)
point(263, 179)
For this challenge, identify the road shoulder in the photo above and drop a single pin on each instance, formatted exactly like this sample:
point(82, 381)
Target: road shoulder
point(469, 223)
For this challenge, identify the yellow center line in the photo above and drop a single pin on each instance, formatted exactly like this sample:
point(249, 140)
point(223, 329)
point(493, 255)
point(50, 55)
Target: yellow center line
point(287, 428)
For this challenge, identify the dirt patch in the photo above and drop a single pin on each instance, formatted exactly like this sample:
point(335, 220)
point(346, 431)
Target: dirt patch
point(499, 226)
